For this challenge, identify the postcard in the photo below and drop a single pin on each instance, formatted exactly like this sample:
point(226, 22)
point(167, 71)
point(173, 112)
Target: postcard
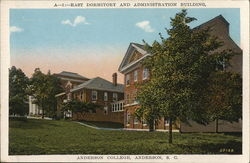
point(125, 81)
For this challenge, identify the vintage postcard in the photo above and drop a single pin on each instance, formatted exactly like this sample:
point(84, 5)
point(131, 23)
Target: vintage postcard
point(125, 81)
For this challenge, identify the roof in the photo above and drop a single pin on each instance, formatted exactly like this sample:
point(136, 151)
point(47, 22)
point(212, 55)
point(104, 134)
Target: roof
point(99, 84)
point(212, 20)
point(132, 46)
point(140, 48)
point(71, 74)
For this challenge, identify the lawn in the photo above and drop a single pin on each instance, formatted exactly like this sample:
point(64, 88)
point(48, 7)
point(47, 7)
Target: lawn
point(67, 137)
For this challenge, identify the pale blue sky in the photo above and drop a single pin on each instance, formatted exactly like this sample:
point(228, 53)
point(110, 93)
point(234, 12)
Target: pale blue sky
point(58, 33)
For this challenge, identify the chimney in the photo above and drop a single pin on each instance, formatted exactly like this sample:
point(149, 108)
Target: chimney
point(114, 79)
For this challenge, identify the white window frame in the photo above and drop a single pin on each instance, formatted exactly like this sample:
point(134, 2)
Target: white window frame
point(92, 95)
point(127, 79)
point(145, 74)
point(135, 76)
point(105, 96)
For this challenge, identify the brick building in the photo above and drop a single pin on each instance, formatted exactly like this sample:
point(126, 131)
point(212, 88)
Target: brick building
point(68, 81)
point(135, 73)
point(109, 95)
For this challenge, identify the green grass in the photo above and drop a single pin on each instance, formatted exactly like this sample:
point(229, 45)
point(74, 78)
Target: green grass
point(104, 124)
point(66, 137)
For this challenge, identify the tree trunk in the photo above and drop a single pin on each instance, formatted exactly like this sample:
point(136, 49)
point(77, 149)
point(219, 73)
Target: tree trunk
point(170, 131)
point(42, 112)
point(151, 126)
point(216, 126)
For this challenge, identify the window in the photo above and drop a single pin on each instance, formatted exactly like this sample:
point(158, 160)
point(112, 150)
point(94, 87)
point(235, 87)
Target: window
point(135, 75)
point(144, 122)
point(94, 95)
point(145, 73)
point(68, 96)
point(166, 122)
point(127, 99)
point(136, 120)
point(128, 118)
point(120, 108)
point(81, 95)
point(115, 97)
point(105, 96)
point(127, 79)
point(105, 110)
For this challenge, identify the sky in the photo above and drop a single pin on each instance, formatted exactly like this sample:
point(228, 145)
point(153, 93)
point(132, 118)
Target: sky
point(93, 42)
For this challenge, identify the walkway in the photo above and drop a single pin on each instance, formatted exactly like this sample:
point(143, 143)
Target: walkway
point(120, 129)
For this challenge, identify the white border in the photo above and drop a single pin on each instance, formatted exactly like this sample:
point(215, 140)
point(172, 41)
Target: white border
point(5, 64)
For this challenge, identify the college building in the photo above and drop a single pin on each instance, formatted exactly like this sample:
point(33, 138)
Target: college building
point(108, 95)
point(135, 73)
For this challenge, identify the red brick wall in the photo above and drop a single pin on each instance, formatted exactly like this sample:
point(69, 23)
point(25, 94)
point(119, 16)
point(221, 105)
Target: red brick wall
point(160, 124)
point(100, 116)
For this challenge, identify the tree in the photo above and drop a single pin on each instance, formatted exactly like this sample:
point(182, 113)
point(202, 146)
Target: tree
point(180, 68)
point(18, 98)
point(224, 97)
point(76, 106)
point(54, 87)
point(44, 87)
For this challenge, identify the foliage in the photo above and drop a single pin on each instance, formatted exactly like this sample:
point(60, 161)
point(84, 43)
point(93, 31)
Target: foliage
point(44, 87)
point(39, 137)
point(18, 97)
point(180, 68)
point(76, 106)
point(225, 96)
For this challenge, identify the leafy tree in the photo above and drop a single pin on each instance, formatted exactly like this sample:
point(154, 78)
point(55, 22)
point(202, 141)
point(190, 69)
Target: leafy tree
point(54, 87)
point(18, 98)
point(224, 97)
point(180, 68)
point(76, 106)
point(44, 87)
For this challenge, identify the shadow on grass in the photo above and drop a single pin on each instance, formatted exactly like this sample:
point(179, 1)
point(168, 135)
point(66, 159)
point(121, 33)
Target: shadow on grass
point(103, 124)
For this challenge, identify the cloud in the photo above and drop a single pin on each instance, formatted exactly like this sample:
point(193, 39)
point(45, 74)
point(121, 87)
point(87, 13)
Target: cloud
point(145, 25)
point(15, 29)
point(77, 20)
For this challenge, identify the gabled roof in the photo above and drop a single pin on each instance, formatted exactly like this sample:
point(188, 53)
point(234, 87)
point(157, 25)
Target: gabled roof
point(132, 47)
point(71, 74)
point(99, 84)
point(220, 17)
point(125, 65)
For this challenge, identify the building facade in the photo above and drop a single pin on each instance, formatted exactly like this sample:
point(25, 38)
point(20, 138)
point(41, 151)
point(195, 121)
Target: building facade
point(135, 73)
point(68, 81)
point(109, 95)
